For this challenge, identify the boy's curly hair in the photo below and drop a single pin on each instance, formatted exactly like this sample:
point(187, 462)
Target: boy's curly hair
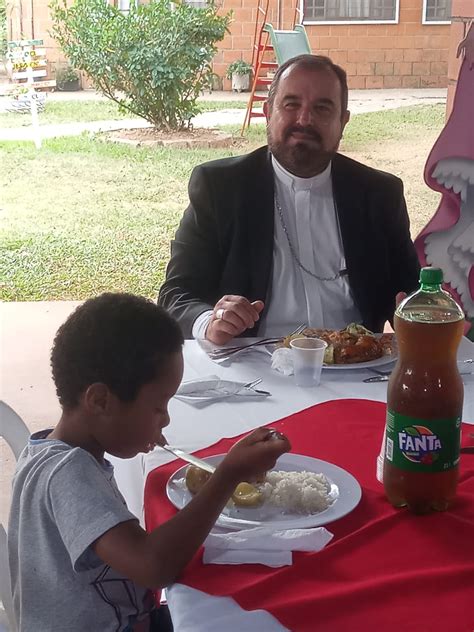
point(121, 340)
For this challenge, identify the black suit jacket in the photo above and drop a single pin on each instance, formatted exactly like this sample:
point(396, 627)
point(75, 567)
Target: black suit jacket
point(224, 243)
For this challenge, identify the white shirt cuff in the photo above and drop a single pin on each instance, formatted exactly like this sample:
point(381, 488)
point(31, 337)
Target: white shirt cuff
point(200, 325)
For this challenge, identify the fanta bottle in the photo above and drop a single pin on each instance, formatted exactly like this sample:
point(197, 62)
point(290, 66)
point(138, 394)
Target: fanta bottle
point(424, 400)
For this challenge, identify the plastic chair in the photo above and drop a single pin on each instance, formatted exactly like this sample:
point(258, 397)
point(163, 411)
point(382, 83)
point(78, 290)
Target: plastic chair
point(288, 44)
point(15, 432)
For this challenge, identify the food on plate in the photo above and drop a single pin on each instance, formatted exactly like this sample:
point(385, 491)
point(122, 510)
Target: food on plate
point(297, 492)
point(245, 494)
point(292, 492)
point(350, 345)
point(196, 478)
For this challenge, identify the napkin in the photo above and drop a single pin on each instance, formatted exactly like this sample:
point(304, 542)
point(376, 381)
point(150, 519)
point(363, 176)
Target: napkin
point(263, 545)
point(209, 389)
point(282, 361)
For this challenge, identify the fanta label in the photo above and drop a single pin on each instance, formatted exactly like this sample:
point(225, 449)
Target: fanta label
point(419, 445)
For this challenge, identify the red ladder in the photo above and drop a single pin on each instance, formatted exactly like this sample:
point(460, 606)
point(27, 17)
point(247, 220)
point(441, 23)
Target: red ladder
point(262, 48)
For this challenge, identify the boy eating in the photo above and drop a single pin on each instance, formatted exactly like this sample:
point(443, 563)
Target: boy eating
point(79, 560)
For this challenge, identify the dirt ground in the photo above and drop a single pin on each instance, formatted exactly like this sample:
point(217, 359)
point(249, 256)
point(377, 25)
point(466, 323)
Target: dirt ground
point(407, 161)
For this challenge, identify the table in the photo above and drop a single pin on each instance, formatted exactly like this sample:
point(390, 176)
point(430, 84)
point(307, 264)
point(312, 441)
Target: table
point(193, 429)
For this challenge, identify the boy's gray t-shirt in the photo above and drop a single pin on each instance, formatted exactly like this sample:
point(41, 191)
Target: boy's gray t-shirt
point(63, 500)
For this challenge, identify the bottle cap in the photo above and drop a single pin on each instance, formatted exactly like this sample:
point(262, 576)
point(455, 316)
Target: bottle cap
point(431, 276)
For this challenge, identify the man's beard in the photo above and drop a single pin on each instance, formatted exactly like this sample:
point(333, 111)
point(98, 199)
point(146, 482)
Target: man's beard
point(304, 158)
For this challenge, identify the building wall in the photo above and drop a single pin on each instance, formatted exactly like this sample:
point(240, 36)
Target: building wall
point(404, 55)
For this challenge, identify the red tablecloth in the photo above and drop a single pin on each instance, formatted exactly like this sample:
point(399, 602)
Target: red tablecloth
point(385, 569)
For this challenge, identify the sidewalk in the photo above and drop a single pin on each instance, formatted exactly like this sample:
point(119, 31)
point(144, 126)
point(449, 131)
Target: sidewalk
point(359, 101)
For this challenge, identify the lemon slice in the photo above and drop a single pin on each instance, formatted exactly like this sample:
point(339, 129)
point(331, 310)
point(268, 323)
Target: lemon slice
point(246, 495)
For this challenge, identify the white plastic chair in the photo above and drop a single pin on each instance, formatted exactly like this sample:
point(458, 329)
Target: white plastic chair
point(13, 429)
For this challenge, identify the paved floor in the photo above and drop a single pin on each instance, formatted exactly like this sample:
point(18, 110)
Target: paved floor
point(359, 101)
point(26, 335)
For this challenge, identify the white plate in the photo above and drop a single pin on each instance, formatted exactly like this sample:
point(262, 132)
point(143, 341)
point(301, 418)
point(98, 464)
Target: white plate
point(385, 359)
point(344, 488)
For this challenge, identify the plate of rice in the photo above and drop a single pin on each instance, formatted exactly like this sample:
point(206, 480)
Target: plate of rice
point(300, 492)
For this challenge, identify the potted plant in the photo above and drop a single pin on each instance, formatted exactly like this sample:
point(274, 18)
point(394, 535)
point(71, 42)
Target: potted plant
point(67, 79)
point(239, 72)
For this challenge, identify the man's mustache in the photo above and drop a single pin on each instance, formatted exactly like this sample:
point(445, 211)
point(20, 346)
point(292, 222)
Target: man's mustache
point(307, 131)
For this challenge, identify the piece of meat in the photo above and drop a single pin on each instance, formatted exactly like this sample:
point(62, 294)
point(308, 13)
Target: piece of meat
point(366, 348)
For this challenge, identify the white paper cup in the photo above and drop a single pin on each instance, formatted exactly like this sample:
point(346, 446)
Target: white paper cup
point(308, 356)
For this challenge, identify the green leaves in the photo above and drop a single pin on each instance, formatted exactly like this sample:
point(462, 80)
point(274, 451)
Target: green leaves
point(153, 62)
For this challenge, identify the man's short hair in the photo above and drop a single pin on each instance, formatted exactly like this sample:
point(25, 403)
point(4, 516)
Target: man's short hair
point(314, 62)
point(121, 340)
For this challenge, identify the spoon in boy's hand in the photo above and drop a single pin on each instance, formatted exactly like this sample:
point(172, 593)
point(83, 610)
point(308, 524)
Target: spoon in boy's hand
point(190, 458)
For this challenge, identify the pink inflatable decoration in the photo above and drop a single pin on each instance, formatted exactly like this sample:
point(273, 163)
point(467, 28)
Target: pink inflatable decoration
point(447, 241)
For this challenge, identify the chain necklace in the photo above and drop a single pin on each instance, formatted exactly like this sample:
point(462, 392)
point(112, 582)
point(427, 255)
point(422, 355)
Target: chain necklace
point(293, 252)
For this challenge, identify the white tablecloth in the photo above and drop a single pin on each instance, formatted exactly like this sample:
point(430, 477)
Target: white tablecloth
point(192, 429)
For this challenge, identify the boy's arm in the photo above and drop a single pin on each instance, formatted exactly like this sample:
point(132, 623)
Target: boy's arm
point(156, 559)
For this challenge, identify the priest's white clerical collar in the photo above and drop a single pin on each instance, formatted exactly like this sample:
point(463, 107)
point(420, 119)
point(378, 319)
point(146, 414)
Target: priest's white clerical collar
point(295, 182)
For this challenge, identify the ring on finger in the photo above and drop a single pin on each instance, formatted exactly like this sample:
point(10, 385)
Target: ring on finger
point(220, 314)
point(274, 434)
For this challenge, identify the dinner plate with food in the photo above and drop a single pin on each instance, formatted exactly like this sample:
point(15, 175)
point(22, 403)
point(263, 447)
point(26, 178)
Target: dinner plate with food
point(353, 347)
point(300, 492)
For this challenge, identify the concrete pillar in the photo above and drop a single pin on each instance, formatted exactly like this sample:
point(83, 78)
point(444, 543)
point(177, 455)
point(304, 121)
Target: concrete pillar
point(462, 12)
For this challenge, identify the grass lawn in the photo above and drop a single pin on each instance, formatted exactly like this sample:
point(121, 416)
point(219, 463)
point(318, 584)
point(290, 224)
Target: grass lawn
point(98, 110)
point(82, 216)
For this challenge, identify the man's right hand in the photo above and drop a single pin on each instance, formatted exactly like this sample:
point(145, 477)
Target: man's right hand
point(232, 316)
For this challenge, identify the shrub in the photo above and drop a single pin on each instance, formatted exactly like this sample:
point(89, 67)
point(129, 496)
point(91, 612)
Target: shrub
point(66, 74)
point(153, 62)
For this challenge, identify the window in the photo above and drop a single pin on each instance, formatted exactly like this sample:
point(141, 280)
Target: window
point(351, 10)
point(436, 11)
point(197, 4)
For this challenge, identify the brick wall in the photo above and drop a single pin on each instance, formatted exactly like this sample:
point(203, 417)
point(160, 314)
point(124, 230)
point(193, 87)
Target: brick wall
point(404, 55)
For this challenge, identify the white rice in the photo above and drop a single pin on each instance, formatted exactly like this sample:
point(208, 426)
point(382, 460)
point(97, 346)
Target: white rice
point(297, 492)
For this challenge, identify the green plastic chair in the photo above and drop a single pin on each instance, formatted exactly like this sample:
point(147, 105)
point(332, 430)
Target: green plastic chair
point(288, 44)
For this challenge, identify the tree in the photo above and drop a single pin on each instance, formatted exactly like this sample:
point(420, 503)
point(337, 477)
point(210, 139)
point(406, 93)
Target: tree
point(153, 61)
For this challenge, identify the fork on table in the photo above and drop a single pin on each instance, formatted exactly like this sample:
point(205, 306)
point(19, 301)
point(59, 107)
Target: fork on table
point(227, 352)
point(383, 376)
